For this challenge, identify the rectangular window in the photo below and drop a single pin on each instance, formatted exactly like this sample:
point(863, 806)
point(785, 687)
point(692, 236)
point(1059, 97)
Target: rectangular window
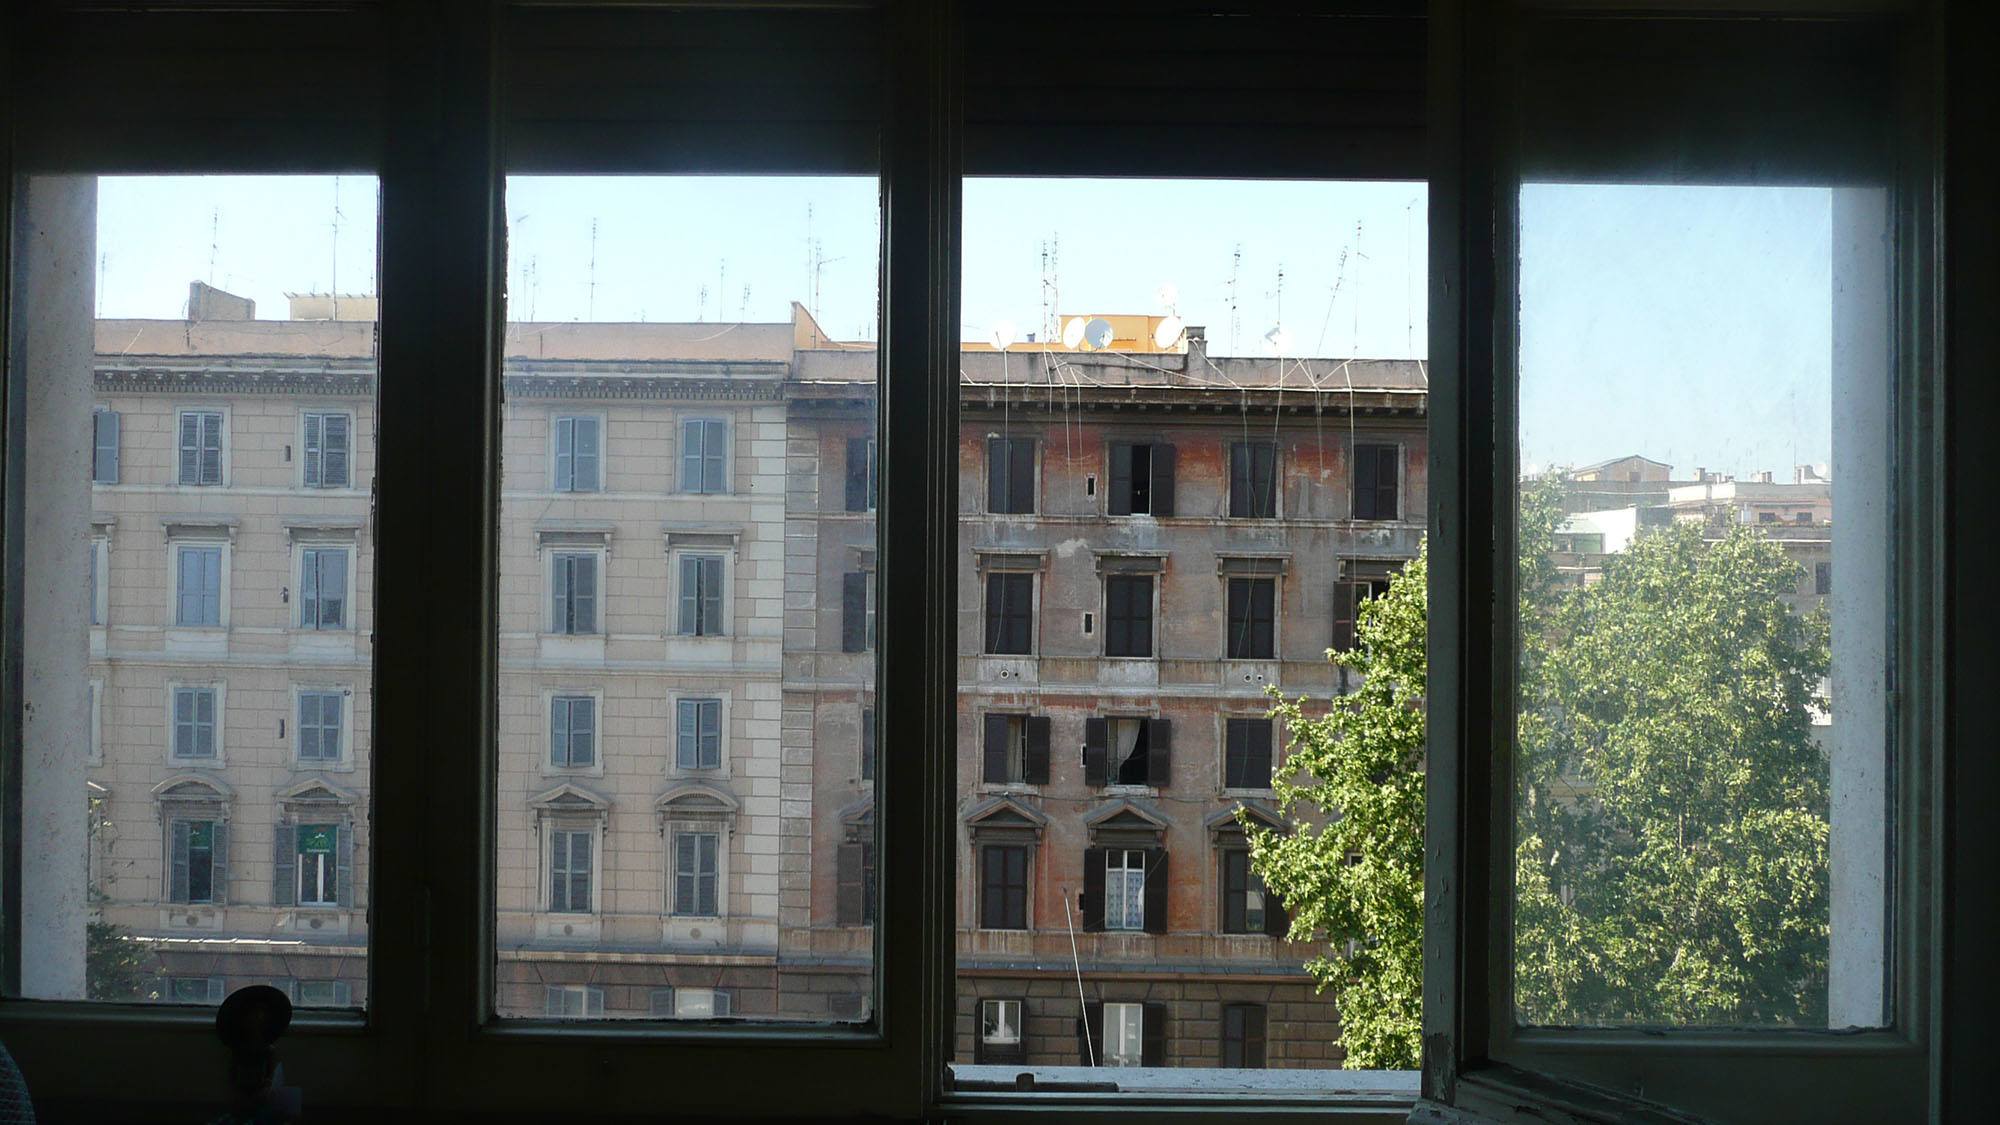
point(1124, 1035)
point(860, 491)
point(1010, 614)
point(1377, 475)
point(573, 589)
point(1348, 598)
point(577, 442)
point(201, 447)
point(1246, 905)
point(857, 611)
point(574, 1001)
point(701, 596)
point(854, 889)
point(327, 449)
point(1142, 480)
point(700, 1004)
point(194, 990)
point(100, 580)
point(320, 715)
point(1822, 578)
point(569, 870)
point(868, 744)
point(194, 722)
point(198, 586)
point(1010, 475)
point(319, 864)
point(1000, 1034)
point(1253, 480)
point(1128, 751)
point(194, 867)
point(323, 588)
point(698, 734)
point(321, 993)
point(1125, 889)
point(1015, 748)
point(1246, 753)
point(1243, 1035)
point(696, 866)
point(104, 426)
point(704, 449)
point(1128, 615)
point(1253, 609)
point(1003, 887)
point(573, 731)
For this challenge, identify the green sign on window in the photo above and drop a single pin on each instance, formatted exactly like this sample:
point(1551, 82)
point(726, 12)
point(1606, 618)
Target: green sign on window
point(317, 839)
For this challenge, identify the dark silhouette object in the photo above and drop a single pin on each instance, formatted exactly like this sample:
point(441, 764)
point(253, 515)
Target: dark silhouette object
point(15, 1108)
point(249, 1024)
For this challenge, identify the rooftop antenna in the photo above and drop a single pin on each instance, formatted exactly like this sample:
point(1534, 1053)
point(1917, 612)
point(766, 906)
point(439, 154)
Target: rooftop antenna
point(721, 288)
point(812, 260)
point(214, 238)
point(534, 282)
point(1409, 279)
point(103, 256)
point(333, 285)
point(1051, 286)
point(1359, 256)
point(1235, 272)
point(590, 300)
point(701, 305)
point(743, 310)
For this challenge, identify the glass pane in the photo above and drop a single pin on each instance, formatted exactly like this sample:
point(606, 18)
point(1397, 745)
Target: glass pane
point(175, 335)
point(1703, 605)
point(1171, 391)
point(719, 333)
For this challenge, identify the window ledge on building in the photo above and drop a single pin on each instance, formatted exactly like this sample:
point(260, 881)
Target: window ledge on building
point(568, 927)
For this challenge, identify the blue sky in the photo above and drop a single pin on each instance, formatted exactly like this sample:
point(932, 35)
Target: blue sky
point(1691, 325)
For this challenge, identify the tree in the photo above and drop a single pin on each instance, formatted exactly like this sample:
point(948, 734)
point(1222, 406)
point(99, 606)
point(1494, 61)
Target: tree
point(115, 966)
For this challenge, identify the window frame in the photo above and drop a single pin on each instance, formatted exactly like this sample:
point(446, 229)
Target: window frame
point(550, 766)
point(315, 547)
point(305, 480)
point(222, 450)
point(700, 488)
point(344, 760)
point(554, 555)
point(556, 418)
point(223, 548)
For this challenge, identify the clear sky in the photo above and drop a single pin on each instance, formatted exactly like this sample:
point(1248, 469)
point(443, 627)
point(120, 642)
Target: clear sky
point(1691, 325)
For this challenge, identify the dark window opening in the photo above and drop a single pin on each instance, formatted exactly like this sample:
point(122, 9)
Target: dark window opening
point(1376, 472)
point(1010, 605)
point(1253, 480)
point(1142, 480)
point(1247, 753)
point(1010, 475)
point(1252, 618)
point(1128, 615)
point(1243, 1035)
point(1003, 887)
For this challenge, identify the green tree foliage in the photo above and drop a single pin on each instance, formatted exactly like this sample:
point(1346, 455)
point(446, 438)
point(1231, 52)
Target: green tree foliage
point(115, 966)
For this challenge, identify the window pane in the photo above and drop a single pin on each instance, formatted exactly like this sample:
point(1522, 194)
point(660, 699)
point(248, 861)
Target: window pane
point(1702, 719)
point(183, 341)
point(686, 508)
point(1182, 531)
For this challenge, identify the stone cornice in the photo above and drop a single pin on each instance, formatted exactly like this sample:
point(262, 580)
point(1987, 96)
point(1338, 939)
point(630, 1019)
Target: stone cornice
point(345, 381)
point(643, 387)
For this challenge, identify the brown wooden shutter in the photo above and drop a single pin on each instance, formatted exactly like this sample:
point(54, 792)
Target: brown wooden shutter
point(1277, 922)
point(1346, 596)
point(1090, 1035)
point(1258, 759)
point(854, 611)
point(1156, 890)
point(1091, 903)
point(1035, 761)
point(1234, 875)
point(1388, 470)
point(1021, 475)
point(995, 771)
point(1239, 479)
point(1161, 491)
point(284, 864)
point(1119, 501)
point(1153, 1035)
point(996, 475)
point(1235, 754)
point(1096, 736)
point(1361, 497)
point(218, 853)
point(847, 881)
point(857, 474)
point(1159, 753)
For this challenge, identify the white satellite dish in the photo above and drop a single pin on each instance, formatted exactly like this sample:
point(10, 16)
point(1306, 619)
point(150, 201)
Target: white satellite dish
point(1098, 333)
point(1073, 333)
point(1168, 333)
point(1003, 335)
point(1168, 294)
point(1277, 341)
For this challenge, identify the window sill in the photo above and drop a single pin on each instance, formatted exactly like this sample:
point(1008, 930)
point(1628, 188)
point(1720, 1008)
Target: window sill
point(988, 1091)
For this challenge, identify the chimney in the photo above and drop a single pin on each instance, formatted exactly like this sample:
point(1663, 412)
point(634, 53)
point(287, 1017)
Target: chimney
point(206, 302)
point(1764, 477)
point(1197, 348)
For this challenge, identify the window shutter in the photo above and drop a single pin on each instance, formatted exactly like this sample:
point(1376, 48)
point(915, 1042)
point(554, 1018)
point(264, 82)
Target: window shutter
point(691, 435)
point(868, 744)
point(992, 892)
point(1119, 501)
point(1090, 1035)
point(333, 456)
point(1096, 736)
point(218, 878)
point(104, 447)
point(1156, 891)
point(565, 454)
point(1239, 479)
point(586, 593)
point(1235, 866)
point(583, 732)
point(713, 621)
point(1035, 762)
point(284, 861)
point(211, 449)
point(584, 464)
point(857, 474)
point(714, 450)
point(1091, 903)
point(1277, 922)
point(1141, 593)
point(190, 449)
point(1264, 619)
point(1021, 475)
point(333, 588)
point(1260, 737)
point(1153, 1035)
point(1388, 469)
point(995, 771)
point(1235, 754)
point(1346, 596)
point(847, 896)
point(1159, 753)
point(559, 595)
point(178, 876)
point(343, 872)
point(1265, 479)
point(998, 476)
point(854, 611)
point(1162, 489)
point(1362, 500)
point(1253, 1035)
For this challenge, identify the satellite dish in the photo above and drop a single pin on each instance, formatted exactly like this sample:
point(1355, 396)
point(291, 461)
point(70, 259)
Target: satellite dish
point(1168, 333)
point(1168, 294)
point(1073, 333)
point(1277, 341)
point(1098, 333)
point(1003, 335)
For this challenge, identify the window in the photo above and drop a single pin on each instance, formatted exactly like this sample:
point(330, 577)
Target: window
point(857, 611)
point(199, 857)
point(697, 1003)
point(1124, 889)
point(1246, 754)
point(194, 723)
point(1016, 749)
point(1253, 618)
point(320, 865)
point(698, 734)
point(701, 596)
point(327, 449)
point(1010, 475)
point(573, 731)
point(320, 714)
point(695, 873)
point(577, 442)
point(104, 446)
point(1142, 480)
point(573, 587)
point(1010, 614)
point(321, 993)
point(1003, 887)
point(201, 447)
point(574, 1001)
point(323, 588)
point(1348, 597)
point(868, 744)
point(1377, 475)
point(1000, 1038)
point(570, 870)
point(1243, 1035)
point(100, 579)
point(1247, 908)
point(1253, 480)
point(1124, 1034)
point(1128, 751)
point(1128, 615)
point(195, 990)
point(704, 447)
point(1822, 578)
point(860, 474)
point(198, 586)
point(854, 890)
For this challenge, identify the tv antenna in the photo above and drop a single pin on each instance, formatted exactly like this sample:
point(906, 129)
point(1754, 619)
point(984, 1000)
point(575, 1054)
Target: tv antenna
point(701, 305)
point(214, 240)
point(334, 287)
point(590, 299)
point(1235, 274)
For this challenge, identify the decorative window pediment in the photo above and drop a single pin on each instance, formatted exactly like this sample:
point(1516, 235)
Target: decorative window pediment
point(1125, 821)
point(569, 798)
point(318, 791)
point(1002, 819)
point(693, 800)
point(1223, 825)
point(193, 787)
